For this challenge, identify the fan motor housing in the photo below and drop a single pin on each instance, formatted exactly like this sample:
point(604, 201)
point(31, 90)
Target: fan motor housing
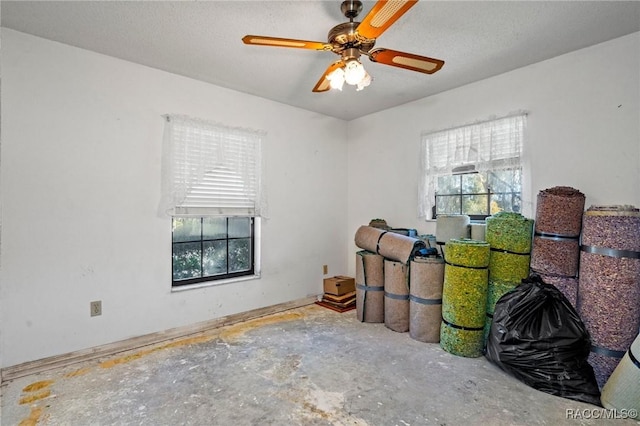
point(342, 36)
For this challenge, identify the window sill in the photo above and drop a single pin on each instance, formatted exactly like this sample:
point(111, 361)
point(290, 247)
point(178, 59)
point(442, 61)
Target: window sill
point(214, 283)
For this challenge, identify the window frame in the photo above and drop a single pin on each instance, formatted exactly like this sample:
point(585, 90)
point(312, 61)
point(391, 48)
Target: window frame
point(251, 272)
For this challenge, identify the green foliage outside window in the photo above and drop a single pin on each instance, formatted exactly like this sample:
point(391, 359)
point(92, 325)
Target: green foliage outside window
point(479, 194)
point(211, 248)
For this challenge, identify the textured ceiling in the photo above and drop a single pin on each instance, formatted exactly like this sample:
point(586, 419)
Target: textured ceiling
point(202, 40)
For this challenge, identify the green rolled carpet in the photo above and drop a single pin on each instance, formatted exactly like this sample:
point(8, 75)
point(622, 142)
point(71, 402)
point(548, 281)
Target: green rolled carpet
point(464, 297)
point(510, 236)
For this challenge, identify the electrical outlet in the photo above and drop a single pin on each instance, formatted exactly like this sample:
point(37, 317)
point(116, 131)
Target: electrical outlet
point(95, 308)
point(325, 269)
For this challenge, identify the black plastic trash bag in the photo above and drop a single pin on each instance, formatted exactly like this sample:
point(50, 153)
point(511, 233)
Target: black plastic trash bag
point(537, 336)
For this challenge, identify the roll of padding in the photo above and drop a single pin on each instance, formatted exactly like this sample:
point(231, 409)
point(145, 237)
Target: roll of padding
point(509, 235)
point(609, 283)
point(555, 256)
point(559, 211)
point(464, 297)
point(455, 226)
point(556, 247)
point(388, 244)
point(369, 287)
point(622, 390)
point(567, 286)
point(396, 296)
point(495, 291)
point(478, 231)
point(426, 277)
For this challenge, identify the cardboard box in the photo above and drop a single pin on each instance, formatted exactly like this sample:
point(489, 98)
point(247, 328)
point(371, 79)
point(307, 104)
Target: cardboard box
point(339, 285)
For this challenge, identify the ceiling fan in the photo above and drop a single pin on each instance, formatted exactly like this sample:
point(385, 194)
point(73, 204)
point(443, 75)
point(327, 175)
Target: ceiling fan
point(352, 39)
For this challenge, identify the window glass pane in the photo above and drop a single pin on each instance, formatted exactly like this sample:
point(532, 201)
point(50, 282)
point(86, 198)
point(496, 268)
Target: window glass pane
point(448, 204)
point(186, 229)
point(448, 185)
point(473, 183)
point(186, 261)
point(214, 228)
point(214, 258)
point(239, 255)
point(239, 227)
point(505, 181)
point(509, 202)
point(475, 204)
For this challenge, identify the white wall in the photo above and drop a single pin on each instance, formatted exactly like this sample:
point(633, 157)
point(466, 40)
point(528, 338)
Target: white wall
point(81, 140)
point(80, 184)
point(583, 131)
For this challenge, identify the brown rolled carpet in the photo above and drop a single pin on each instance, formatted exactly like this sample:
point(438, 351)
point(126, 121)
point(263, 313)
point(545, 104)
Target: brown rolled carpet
point(369, 287)
point(396, 296)
point(426, 277)
point(556, 248)
point(390, 245)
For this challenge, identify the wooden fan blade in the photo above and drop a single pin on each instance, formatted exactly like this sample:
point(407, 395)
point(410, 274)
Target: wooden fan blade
point(407, 61)
point(324, 84)
point(285, 42)
point(382, 16)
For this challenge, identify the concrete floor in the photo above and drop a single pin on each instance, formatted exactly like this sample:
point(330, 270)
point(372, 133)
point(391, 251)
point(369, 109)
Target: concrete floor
point(307, 366)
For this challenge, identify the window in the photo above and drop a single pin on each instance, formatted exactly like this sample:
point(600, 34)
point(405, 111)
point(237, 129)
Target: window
point(474, 170)
point(212, 189)
point(211, 247)
point(478, 194)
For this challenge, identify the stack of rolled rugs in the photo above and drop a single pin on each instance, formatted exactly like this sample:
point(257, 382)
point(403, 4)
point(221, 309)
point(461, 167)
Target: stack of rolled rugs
point(464, 297)
point(510, 236)
point(622, 390)
point(609, 284)
point(380, 245)
point(556, 242)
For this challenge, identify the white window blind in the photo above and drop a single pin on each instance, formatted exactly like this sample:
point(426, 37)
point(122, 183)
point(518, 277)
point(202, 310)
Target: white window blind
point(211, 170)
point(485, 146)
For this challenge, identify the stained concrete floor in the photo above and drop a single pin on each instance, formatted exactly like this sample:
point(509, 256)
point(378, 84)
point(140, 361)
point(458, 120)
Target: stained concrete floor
point(307, 366)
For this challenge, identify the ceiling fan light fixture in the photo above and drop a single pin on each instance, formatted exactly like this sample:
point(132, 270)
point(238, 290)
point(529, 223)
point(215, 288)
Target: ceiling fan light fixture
point(350, 40)
point(354, 72)
point(364, 82)
point(336, 79)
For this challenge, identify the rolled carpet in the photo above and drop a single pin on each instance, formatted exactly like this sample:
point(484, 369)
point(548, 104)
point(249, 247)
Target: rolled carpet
point(464, 297)
point(556, 248)
point(622, 390)
point(453, 226)
point(509, 235)
point(369, 287)
point(396, 296)
point(400, 248)
point(426, 277)
point(559, 211)
point(609, 284)
point(478, 231)
point(557, 256)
